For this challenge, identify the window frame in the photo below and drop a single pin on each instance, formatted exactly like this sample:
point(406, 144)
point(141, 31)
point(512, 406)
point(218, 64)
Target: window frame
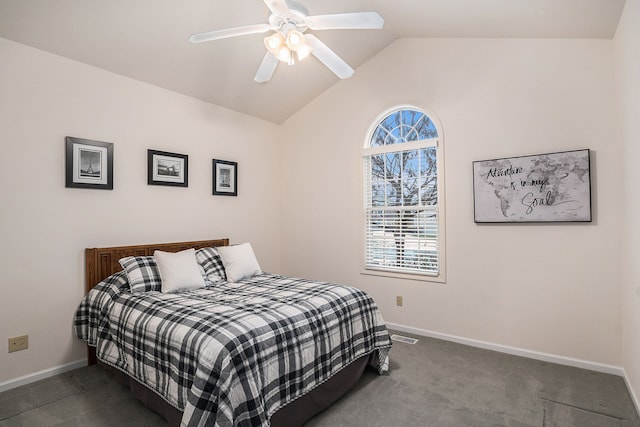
point(368, 151)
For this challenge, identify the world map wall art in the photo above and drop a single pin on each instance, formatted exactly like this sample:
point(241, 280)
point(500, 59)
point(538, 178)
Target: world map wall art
point(552, 187)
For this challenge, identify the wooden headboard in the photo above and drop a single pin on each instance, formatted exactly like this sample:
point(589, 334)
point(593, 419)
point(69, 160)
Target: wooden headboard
point(101, 263)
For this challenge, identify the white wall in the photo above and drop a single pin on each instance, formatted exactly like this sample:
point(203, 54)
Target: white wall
point(45, 227)
point(547, 288)
point(550, 288)
point(627, 64)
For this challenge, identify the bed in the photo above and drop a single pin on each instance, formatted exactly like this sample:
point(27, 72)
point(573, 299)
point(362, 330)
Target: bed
point(264, 350)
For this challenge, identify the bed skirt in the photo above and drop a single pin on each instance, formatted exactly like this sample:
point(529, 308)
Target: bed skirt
point(294, 414)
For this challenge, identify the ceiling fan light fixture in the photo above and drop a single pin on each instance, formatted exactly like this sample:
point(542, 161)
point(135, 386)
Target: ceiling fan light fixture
point(298, 45)
point(295, 40)
point(304, 51)
point(284, 55)
point(274, 42)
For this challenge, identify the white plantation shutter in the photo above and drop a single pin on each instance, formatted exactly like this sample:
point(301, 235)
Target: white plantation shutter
point(401, 194)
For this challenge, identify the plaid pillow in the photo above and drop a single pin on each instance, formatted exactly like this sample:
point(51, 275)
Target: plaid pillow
point(210, 261)
point(142, 273)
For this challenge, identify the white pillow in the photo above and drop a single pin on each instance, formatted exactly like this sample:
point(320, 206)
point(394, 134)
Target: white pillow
point(239, 261)
point(179, 270)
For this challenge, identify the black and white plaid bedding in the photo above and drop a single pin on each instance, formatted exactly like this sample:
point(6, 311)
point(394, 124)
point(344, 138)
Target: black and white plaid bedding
point(232, 354)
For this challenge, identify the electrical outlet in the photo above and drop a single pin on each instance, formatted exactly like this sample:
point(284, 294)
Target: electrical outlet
point(18, 343)
point(399, 300)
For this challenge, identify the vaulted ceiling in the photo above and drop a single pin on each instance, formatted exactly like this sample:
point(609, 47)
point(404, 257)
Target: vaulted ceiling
point(147, 39)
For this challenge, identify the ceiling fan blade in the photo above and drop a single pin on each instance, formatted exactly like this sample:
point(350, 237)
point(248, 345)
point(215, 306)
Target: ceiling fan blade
point(278, 7)
point(267, 68)
point(329, 57)
point(346, 21)
point(229, 32)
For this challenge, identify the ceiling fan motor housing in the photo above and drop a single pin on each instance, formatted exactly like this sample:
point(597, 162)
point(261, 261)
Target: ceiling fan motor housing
point(296, 19)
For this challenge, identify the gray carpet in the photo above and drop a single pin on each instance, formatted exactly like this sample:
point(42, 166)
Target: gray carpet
point(97, 400)
point(39, 394)
point(432, 383)
point(561, 415)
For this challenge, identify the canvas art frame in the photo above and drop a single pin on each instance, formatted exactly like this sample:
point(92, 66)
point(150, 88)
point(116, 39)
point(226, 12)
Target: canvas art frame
point(552, 187)
point(225, 178)
point(89, 164)
point(164, 168)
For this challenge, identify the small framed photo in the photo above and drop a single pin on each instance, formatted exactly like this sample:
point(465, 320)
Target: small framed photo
point(89, 164)
point(167, 168)
point(225, 178)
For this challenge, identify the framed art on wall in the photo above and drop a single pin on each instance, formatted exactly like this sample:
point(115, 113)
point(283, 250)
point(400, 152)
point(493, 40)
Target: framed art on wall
point(553, 187)
point(225, 178)
point(165, 168)
point(89, 164)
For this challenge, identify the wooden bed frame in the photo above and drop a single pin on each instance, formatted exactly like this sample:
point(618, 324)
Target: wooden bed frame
point(100, 263)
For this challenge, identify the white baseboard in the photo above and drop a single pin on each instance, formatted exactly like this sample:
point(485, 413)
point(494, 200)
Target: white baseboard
point(632, 392)
point(545, 357)
point(41, 375)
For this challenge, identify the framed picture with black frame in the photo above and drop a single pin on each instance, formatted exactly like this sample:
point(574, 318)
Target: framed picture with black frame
point(225, 178)
point(165, 168)
point(89, 164)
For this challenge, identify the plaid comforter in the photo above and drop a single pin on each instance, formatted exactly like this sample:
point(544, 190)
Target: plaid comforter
point(231, 354)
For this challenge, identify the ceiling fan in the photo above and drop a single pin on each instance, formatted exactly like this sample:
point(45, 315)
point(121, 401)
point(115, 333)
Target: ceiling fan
point(288, 43)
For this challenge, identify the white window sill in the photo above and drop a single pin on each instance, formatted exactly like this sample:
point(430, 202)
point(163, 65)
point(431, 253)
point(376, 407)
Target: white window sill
point(406, 276)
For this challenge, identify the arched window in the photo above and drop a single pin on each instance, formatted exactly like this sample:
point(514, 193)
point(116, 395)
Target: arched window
point(403, 209)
